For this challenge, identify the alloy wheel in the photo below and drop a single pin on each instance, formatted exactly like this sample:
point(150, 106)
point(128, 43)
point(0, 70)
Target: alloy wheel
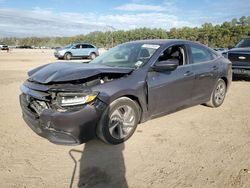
point(219, 93)
point(122, 121)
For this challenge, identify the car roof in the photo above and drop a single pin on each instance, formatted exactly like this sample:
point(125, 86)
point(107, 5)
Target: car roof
point(162, 41)
point(82, 43)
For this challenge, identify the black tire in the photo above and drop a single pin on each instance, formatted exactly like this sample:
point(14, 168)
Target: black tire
point(92, 56)
point(111, 127)
point(67, 56)
point(218, 94)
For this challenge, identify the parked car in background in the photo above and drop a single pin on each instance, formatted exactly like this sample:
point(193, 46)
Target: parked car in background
point(71, 103)
point(240, 57)
point(77, 50)
point(4, 47)
point(24, 47)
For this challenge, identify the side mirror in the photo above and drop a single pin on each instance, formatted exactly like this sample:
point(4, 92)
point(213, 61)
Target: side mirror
point(168, 65)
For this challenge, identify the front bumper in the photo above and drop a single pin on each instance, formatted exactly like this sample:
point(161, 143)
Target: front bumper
point(67, 128)
point(58, 55)
point(241, 70)
point(4, 48)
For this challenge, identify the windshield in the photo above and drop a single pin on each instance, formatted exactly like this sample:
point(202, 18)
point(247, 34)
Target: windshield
point(243, 43)
point(131, 55)
point(68, 46)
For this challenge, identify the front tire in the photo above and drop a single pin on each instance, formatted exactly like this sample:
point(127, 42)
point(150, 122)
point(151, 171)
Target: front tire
point(67, 56)
point(119, 121)
point(218, 94)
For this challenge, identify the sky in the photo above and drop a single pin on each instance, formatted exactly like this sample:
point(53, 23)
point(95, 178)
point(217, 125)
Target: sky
point(41, 18)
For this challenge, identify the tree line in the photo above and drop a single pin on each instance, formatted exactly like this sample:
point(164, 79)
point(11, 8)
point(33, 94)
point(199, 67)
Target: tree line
point(224, 35)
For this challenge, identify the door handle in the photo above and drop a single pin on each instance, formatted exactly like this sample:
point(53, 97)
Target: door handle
point(188, 73)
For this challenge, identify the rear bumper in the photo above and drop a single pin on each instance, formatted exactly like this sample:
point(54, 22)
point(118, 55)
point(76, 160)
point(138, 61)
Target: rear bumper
point(67, 128)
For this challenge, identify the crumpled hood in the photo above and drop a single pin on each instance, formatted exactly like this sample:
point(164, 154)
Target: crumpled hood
point(65, 71)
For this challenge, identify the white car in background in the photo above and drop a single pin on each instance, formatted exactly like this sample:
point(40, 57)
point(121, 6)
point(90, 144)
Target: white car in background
point(4, 47)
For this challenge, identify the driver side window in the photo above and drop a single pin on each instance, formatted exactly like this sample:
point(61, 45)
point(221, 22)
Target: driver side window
point(176, 52)
point(78, 46)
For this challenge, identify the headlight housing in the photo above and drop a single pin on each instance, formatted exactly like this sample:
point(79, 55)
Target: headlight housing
point(74, 99)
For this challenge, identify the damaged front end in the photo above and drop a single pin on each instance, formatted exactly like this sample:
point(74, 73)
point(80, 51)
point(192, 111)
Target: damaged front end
point(65, 112)
point(61, 117)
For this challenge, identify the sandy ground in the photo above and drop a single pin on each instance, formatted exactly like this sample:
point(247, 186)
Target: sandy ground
point(196, 147)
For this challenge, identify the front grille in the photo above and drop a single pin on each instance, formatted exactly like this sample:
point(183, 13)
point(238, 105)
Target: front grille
point(38, 106)
point(33, 106)
point(26, 108)
point(35, 97)
point(239, 57)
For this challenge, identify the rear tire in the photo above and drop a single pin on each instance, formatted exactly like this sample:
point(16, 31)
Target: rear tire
point(67, 56)
point(218, 94)
point(119, 121)
point(92, 56)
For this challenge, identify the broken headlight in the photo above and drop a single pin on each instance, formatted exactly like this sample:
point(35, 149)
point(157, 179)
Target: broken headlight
point(74, 99)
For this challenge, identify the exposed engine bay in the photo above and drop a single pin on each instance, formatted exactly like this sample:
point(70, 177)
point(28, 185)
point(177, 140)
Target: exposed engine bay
point(49, 96)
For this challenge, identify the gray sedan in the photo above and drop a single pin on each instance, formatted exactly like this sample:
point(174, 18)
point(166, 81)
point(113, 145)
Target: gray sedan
point(71, 103)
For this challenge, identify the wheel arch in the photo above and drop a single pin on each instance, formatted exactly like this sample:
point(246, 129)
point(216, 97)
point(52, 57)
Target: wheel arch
point(92, 52)
point(135, 99)
point(68, 52)
point(225, 80)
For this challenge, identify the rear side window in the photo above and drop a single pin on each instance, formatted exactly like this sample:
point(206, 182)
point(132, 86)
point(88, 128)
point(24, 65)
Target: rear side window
point(87, 46)
point(90, 46)
point(200, 54)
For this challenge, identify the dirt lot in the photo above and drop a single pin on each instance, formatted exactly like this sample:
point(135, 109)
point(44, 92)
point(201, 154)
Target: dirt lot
point(196, 147)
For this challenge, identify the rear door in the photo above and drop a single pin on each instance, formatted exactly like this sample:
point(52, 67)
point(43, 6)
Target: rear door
point(85, 50)
point(205, 68)
point(170, 90)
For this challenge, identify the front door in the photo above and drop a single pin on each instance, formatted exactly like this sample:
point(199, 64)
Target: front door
point(77, 50)
point(169, 91)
